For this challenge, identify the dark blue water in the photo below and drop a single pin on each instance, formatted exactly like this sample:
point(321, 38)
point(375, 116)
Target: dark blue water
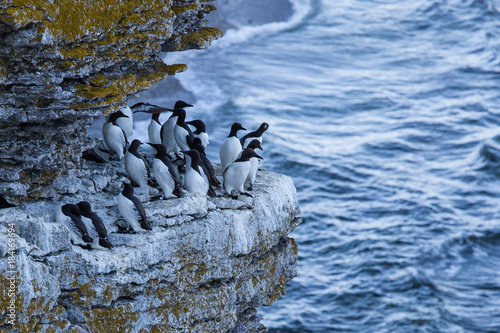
point(385, 114)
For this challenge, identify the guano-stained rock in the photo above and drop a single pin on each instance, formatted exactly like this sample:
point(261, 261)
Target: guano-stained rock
point(207, 264)
point(204, 267)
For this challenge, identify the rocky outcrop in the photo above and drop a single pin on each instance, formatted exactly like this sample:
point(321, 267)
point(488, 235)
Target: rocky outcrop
point(64, 62)
point(205, 266)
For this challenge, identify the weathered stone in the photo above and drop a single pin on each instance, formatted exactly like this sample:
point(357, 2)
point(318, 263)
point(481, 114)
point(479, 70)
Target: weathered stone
point(64, 62)
point(205, 267)
point(207, 263)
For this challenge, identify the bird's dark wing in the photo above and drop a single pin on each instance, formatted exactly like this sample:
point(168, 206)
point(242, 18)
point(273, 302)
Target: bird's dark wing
point(147, 166)
point(161, 132)
point(210, 170)
point(148, 108)
point(79, 227)
point(189, 136)
point(126, 141)
point(140, 208)
point(99, 225)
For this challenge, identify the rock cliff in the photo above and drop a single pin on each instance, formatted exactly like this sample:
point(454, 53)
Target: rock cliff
point(64, 62)
point(207, 264)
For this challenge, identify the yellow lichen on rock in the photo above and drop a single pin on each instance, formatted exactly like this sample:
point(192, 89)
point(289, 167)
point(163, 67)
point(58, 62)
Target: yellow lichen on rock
point(120, 318)
point(198, 39)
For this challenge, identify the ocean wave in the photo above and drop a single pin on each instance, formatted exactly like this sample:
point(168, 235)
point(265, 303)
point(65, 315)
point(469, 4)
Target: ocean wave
point(487, 157)
point(241, 34)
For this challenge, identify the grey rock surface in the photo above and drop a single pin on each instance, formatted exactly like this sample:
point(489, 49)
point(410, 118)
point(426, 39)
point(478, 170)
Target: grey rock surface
point(205, 266)
point(64, 63)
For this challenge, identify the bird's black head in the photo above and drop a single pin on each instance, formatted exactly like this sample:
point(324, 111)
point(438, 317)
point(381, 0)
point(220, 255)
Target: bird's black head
point(85, 208)
point(198, 145)
point(161, 150)
point(199, 125)
point(134, 146)
point(181, 104)
point(235, 128)
point(255, 144)
point(248, 153)
point(73, 209)
point(263, 127)
point(116, 115)
point(194, 154)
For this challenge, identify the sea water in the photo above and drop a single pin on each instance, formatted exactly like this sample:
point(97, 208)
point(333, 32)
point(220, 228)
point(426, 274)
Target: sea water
point(385, 114)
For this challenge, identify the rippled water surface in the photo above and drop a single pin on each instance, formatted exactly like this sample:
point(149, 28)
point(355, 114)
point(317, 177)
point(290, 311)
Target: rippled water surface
point(385, 114)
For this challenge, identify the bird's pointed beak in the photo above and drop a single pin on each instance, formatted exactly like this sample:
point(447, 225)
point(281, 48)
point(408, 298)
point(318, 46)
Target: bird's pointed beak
point(259, 157)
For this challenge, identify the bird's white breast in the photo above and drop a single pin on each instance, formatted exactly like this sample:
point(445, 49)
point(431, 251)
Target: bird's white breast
point(154, 132)
point(127, 210)
point(169, 139)
point(229, 151)
point(180, 137)
point(163, 177)
point(235, 176)
point(114, 138)
point(195, 183)
point(136, 169)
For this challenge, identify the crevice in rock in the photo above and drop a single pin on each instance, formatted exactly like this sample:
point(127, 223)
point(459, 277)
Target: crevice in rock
point(4, 203)
point(216, 283)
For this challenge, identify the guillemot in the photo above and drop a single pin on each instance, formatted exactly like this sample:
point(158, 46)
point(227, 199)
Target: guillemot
point(95, 226)
point(114, 136)
point(236, 173)
point(194, 182)
point(231, 147)
point(200, 131)
point(257, 134)
point(165, 174)
point(136, 165)
point(254, 163)
point(132, 210)
point(69, 216)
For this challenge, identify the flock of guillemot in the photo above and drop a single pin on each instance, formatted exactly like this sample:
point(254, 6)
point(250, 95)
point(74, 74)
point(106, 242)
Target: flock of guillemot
point(179, 164)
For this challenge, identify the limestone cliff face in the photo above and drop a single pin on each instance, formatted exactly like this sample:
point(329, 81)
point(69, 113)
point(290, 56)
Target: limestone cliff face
point(205, 266)
point(64, 62)
point(208, 263)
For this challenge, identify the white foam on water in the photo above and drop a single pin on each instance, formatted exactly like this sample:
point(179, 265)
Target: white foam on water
point(209, 96)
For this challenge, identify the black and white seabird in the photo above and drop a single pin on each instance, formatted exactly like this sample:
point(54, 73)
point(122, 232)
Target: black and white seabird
point(236, 173)
point(231, 147)
point(126, 123)
point(200, 131)
point(114, 136)
point(132, 210)
point(183, 135)
point(167, 129)
point(95, 226)
point(254, 163)
point(154, 127)
point(194, 182)
point(257, 134)
point(69, 216)
point(206, 162)
point(165, 174)
point(136, 165)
